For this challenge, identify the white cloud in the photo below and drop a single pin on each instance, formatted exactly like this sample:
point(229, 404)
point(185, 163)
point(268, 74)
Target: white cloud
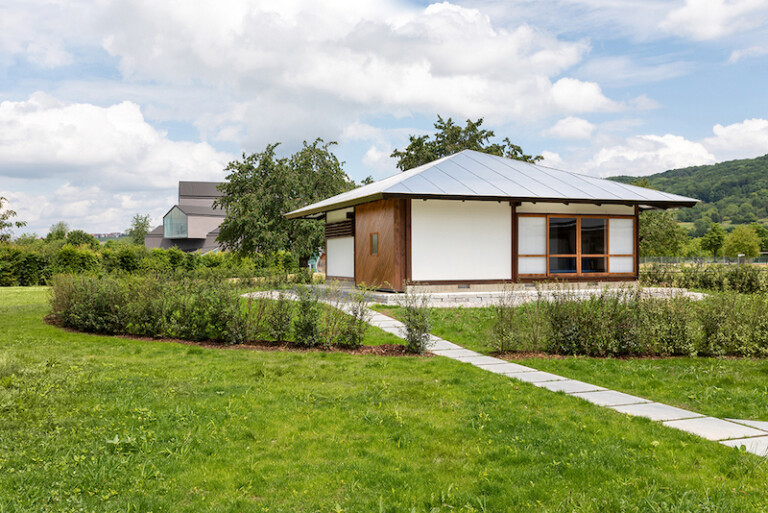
point(712, 19)
point(739, 140)
point(380, 56)
point(746, 53)
point(109, 162)
point(648, 154)
point(571, 128)
point(378, 159)
point(552, 159)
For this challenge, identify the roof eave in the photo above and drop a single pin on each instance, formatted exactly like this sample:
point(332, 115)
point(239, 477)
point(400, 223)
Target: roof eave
point(310, 212)
point(316, 212)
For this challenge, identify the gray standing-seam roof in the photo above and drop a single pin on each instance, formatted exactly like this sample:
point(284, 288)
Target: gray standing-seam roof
point(472, 175)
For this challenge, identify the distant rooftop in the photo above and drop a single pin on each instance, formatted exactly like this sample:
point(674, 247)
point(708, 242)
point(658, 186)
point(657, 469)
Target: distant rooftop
point(200, 189)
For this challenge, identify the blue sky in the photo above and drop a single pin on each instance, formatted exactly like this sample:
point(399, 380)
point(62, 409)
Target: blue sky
point(106, 105)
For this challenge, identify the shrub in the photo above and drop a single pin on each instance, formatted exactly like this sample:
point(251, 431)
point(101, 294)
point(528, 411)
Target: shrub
point(357, 321)
point(416, 318)
point(90, 304)
point(280, 317)
point(734, 324)
point(625, 323)
point(306, 325)
point(146, 306)
point(333, 316)
point(71, 259)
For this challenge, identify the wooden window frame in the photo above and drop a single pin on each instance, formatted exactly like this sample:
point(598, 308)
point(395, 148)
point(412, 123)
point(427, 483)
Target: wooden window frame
point(578, 255)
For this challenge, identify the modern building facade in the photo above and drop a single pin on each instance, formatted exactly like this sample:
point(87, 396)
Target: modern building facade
point(192, 224)
point(472, 219)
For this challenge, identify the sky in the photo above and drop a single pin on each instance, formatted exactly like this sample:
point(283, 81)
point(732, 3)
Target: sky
point(106, 105)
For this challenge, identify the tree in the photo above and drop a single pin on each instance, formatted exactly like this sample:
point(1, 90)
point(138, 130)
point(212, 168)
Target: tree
point(659, 233)
point(713, 240)
point(139, 228)
point(451, 138)
point(6, 225)
point(58, 231)
point(762, 232)
point(80, 238)
point(261, 188)
point(743, 240)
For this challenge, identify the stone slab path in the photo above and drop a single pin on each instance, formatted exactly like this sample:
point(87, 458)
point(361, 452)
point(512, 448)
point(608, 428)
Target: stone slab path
point(750, 434)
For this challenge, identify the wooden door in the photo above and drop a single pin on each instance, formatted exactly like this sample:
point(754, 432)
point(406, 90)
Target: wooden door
point(380, 244)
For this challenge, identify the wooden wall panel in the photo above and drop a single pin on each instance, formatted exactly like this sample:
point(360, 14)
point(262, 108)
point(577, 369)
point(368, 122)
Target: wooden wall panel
point(388, 268)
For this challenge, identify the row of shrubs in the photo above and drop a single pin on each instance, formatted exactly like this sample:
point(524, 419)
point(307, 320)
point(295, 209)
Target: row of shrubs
point(747, 278)
point(209, 309)
point(24, 265)
point(624, 323)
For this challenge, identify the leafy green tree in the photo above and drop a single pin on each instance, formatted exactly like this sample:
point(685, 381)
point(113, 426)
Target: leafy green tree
point(57, 232)
point(659, 233)
point(762, 232)
point(713, 240)
point(6, 224)
point(80, 238)
point(700, 226)
point(742, 240)
point(451, 138)
point(139, 228)
point(261, 188)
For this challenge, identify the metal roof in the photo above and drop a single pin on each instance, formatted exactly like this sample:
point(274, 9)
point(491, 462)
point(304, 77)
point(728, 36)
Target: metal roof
point(200, 189)
point(472, 175)
point(198, 210)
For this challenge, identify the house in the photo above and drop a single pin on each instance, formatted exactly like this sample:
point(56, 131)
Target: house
point(473, 220)
point(192, 224)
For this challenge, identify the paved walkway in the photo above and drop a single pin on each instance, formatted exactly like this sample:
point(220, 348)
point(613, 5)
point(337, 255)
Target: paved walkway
point(753, 435)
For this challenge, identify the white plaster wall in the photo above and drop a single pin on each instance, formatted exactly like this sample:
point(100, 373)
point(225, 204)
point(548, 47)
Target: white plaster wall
point(455, 240)
point(340, 257)
point(574, 208)
point(337, 215)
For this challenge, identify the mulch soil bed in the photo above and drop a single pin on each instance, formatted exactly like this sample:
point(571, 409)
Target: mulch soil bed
point(261, 345)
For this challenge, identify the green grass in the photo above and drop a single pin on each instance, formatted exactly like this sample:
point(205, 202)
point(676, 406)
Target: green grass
point(721, 387)
point(725, 388)
point(469, 327)
point(92, 423)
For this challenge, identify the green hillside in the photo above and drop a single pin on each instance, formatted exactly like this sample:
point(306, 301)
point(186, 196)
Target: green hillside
point(734, 192)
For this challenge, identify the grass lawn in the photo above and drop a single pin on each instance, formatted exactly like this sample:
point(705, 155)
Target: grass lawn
point(721, 387)
point(725, 388)
point(469, 327)
point(92, 423)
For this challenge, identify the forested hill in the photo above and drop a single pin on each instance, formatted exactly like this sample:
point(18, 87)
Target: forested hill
point(734, 192)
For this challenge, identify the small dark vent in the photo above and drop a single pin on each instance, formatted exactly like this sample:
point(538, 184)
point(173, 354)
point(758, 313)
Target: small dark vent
point(340, 229)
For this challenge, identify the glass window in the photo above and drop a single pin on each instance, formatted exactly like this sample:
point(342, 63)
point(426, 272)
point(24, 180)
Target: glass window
point(532, 265)
point(560, 265)
point(621, 236)
point(374, 244)
point(532, 236)
point(175, 224)
point(562, 236)
point(593, 264)
point(593, 236)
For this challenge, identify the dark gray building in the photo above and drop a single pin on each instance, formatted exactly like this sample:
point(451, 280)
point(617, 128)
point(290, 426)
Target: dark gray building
point(192, 224)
